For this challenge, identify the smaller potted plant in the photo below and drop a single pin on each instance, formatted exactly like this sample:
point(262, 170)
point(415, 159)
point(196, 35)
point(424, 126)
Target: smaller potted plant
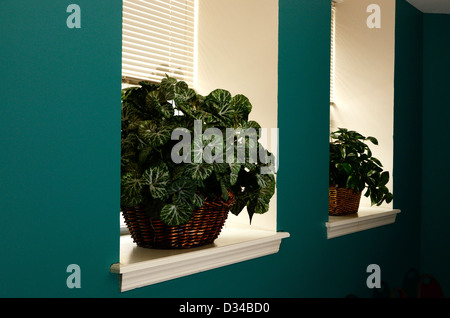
point(353, 169)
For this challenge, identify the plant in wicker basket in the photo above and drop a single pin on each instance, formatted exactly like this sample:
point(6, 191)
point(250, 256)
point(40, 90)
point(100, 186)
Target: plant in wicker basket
point(353, 169)
point(170, 203)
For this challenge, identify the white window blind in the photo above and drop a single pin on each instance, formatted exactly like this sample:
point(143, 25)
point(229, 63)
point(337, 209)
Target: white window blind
point(333, 54)
point(158, 39)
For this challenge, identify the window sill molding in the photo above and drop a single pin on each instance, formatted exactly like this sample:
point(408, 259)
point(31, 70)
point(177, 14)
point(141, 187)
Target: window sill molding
point(141, 267)
point(365, 219)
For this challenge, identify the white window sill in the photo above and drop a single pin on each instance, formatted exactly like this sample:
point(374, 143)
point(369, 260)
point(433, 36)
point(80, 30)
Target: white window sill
point(365, 219)
point(140, 267)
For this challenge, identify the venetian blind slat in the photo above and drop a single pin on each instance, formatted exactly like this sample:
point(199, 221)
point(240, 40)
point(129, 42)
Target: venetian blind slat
point(158, 39)
point(332, 52)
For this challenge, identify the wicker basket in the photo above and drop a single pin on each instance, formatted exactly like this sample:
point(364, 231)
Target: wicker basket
point(203, 228)
point(343, 201)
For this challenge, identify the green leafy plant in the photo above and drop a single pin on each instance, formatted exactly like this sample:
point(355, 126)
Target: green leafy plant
point(352, 166)
point(170, 191)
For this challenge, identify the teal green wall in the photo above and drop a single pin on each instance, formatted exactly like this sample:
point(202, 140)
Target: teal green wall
point(408, 124)
point(435, 237)
point(60, 148)
point(420, 128)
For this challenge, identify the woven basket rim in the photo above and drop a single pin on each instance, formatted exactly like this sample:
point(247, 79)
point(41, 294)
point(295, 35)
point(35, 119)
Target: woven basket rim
point(230, 202)
point(203, 227)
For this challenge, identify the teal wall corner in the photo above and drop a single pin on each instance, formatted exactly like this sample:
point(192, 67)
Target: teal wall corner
point(435, 258)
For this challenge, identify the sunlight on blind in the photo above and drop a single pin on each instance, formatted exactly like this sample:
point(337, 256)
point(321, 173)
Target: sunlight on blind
point(158, 39)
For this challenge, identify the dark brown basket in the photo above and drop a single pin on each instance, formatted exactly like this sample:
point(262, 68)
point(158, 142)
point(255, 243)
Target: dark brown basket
point(343, 201)
point(204, 227)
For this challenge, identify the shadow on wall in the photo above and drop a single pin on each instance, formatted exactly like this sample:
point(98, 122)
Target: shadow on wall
point(414, 286)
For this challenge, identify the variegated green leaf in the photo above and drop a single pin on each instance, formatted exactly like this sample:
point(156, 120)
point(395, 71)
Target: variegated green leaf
point(268, 191)
point(183, 93)
point(198, 171)
point(242, 107)
point(152, 135)
point(156, 178)
point(219, 102)
point(253, 124)
point(223, 188)
point(262, 180)
point(154, 102)
point(183, 98)
point(218, 99)
point(131, 190)
point(239, 204)
point(167, 87)
point(197, 149)
point(202, 115)
point(183, 191)
point(198, 200)
point(257, 205)
point(220, 167)
point(235, 168)
point(175, 214)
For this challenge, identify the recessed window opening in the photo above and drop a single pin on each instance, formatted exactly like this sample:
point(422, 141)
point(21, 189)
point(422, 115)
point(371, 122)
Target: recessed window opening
point(209, 45)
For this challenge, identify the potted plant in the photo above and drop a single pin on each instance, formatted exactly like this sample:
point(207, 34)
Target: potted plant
point(179, 176)
point(353, 169)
